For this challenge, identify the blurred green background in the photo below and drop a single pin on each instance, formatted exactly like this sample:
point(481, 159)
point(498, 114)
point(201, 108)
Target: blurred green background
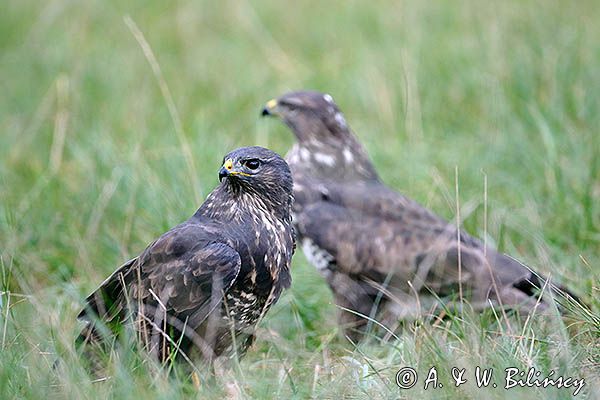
point(103, 148)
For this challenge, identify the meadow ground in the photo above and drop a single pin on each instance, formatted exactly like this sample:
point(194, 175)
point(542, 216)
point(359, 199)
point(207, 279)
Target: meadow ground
point(495, 104)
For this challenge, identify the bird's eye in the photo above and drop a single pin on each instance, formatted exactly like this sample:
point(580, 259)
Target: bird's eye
point(252, 164)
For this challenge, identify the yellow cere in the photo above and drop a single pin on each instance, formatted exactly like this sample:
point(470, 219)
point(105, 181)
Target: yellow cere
point(228, 164)
point(271, 103)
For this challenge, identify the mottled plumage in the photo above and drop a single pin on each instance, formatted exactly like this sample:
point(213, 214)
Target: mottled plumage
point(375, 247)
point(213, 275)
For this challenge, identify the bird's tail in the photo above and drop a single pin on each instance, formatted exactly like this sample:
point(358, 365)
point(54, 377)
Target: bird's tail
point(532, 284)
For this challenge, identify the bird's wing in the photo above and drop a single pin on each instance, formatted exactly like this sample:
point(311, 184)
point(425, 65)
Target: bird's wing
point(365, 244)
point(373, 233)
point(370, 198)
point(367, 225)
point(185, 272)
point(104, 302)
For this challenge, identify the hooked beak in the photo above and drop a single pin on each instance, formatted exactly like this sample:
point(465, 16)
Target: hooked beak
point(226, 169)
point(269, 108)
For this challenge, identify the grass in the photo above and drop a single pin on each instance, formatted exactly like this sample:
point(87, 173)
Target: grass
point(103, 148)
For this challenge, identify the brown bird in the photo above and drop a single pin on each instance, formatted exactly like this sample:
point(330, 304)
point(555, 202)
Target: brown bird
point(199, 290)
point(376, 248)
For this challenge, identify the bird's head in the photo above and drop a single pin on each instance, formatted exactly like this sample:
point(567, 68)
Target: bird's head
point(312, 116)
point(258, 171)
point(328, 149)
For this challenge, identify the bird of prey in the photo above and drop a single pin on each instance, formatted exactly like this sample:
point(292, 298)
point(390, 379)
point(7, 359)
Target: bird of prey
point(375, 247)
point(199, 290)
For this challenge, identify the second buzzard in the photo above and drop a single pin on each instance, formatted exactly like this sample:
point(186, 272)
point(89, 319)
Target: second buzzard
point(376, 248)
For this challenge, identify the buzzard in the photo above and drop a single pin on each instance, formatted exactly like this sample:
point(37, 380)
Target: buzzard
point(376, 248)
point(199, 290)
